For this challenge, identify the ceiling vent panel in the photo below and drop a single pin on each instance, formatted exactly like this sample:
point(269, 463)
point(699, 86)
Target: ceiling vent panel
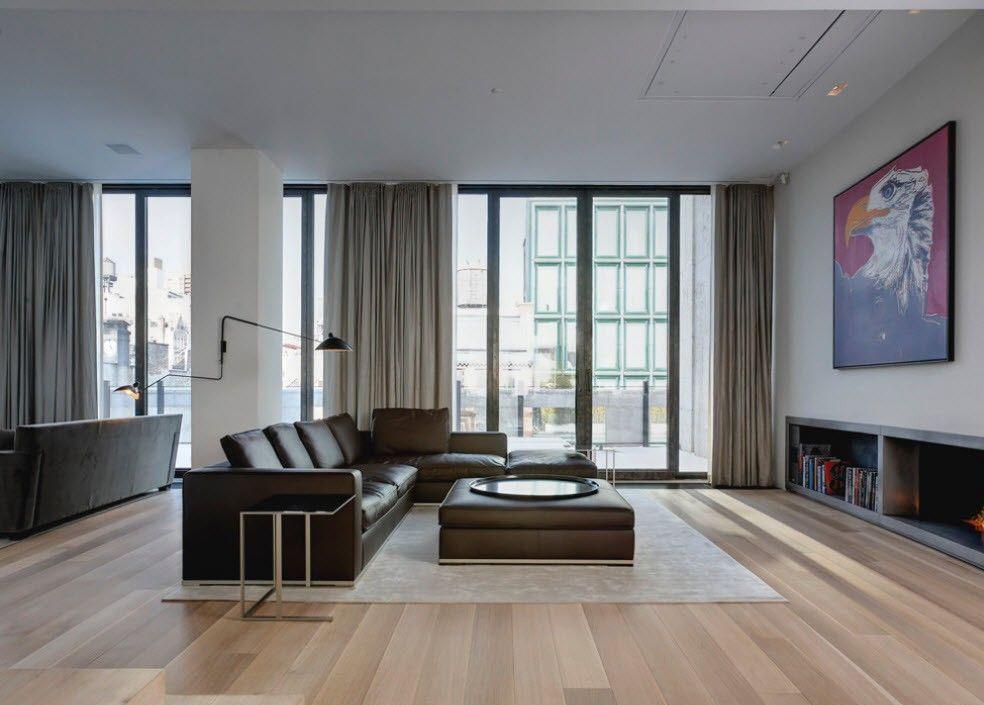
point(750, 55)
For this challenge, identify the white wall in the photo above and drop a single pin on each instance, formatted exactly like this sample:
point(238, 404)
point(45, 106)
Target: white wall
point(949, 85)
point(236, 252)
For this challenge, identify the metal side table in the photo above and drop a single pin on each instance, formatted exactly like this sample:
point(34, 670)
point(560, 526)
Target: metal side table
point(607, 457)
point(276, 507)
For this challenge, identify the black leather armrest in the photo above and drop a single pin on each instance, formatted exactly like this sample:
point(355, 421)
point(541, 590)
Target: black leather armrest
point(484, 442)
point(212, 498)
point(19, 473)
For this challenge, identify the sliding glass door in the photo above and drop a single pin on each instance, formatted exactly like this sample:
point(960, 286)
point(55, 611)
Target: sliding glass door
point(146, 302)
point(569, 308)
point(537, 320)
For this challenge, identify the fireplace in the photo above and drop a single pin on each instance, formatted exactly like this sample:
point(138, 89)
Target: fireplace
point(937, 487)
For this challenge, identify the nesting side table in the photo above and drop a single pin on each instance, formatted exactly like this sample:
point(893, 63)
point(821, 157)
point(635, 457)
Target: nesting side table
point(276, 507)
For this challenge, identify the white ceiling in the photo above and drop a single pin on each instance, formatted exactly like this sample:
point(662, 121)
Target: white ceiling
point(405, 95)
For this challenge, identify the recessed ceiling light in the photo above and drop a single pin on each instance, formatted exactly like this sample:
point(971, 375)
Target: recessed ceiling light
point(121, 148)
point(779, 144)
point(837, 89)
point(914, 12)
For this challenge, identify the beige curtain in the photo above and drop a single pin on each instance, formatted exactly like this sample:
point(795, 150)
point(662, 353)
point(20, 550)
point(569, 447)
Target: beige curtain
point(742, 366)
point(388, 293)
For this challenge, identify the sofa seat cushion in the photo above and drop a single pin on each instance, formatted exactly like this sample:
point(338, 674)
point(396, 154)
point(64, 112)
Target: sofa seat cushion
point(287, 444)
point(402, 477)
point(550, 462)
point(377, 499)
point(250, 449)
point(444, 467)
point(320, 443)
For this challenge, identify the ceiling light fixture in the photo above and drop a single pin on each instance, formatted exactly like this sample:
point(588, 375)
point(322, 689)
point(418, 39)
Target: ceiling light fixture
point(779, 144)
point(914, 12)
point(837, 89)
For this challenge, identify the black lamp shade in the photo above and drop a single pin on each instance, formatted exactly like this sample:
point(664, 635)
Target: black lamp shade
point(131, 390)
point(333, 344)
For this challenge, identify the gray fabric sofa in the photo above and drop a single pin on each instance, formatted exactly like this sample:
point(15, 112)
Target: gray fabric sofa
point(55, 471)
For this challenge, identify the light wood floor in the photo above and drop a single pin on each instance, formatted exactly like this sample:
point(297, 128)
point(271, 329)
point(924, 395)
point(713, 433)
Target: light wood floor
point(872, 618)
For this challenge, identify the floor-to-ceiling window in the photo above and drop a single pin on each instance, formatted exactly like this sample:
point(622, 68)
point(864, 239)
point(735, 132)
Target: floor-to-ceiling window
point(571, 303)
point(303, 302)
point(146, 302)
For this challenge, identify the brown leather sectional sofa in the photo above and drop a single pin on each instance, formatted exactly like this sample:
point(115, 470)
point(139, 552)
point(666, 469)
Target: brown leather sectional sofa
point(409, 455)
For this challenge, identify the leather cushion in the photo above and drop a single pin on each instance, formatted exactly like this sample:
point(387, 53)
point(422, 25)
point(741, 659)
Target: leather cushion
point(403, 477)
point(347, 435)
point(250, 449)
point(288, 446)
point(606, 509)
point(411, 431)
point(320, 443)
point(449, 466)
point(377, 499)
point(550, 462)
point(6, 439)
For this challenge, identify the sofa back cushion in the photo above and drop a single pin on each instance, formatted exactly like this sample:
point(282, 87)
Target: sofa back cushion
point(320, 443)
point(347, 434)
point(250, 449)
point(419, 431)
point(288, 446)
point(6, 439)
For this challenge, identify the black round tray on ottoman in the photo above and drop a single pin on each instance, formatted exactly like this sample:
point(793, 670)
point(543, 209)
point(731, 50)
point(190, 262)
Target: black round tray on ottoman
point(595, 528)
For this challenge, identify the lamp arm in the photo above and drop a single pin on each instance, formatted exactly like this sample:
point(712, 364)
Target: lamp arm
point(222, 337)
point(175, 374)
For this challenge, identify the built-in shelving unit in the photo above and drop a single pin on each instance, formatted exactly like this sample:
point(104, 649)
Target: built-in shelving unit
point(928, 483)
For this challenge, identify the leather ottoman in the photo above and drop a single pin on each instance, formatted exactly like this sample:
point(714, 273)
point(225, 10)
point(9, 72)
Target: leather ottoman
point(595, 529)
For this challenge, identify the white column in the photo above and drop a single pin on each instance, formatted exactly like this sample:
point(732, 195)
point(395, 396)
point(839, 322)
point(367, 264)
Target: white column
point(236, 250)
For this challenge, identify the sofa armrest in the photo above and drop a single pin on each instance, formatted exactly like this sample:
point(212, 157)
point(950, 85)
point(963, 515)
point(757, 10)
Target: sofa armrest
point(212, 498)
point(484, 442)
point(19, 475)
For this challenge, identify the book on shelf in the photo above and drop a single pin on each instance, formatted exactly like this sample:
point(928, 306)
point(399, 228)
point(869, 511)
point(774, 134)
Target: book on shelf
point(816, 469)
point(862, 487)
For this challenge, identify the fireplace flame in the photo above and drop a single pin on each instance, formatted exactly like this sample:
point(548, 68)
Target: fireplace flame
point(977, 522)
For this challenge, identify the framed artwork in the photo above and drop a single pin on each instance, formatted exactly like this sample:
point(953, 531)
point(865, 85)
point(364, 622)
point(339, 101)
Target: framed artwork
point(893, 259)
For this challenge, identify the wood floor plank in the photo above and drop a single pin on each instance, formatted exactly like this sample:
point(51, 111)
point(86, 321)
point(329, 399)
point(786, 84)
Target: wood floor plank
point(396, 679)
point(589, 696)
point(445, 670)
point(628, 672)
point(349, 679)
point(577, 655)
point(535, 666)
point(674, 674)
point(310, 668)
point(490, 679)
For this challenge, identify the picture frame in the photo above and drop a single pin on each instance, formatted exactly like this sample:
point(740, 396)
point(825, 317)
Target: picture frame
point(893, 252)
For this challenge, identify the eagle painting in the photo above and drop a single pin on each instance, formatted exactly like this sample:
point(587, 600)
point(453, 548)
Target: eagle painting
point(891, 260)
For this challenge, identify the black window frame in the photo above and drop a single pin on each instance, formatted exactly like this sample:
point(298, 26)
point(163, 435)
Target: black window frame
point(307, 192)
point(583, 387)
point(141, 193)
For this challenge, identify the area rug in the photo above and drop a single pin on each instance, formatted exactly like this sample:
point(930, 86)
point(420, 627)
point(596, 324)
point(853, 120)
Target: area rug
point(673, 563)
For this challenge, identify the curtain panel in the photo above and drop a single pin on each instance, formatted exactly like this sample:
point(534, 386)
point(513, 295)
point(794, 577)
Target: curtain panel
point(47, 303)
point(742, 360)
point(389, 293)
